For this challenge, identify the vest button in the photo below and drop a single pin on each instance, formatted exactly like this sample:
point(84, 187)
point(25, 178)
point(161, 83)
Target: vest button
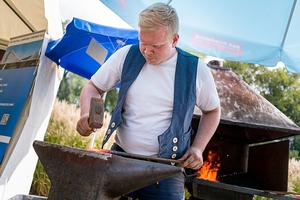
point(173, 155)
point(113, 124)
point(105, 137)
point(172, 163)
point(175, 140)
point(108, 131)
point(175, 148)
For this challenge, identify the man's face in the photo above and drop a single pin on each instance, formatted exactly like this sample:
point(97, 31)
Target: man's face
point(157, 46)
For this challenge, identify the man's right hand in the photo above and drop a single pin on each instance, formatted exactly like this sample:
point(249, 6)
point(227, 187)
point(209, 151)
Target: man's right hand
point(89, 91)
point(82, 126)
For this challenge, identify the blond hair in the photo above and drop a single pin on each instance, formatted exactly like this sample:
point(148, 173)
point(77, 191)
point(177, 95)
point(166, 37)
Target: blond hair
point(158, 15)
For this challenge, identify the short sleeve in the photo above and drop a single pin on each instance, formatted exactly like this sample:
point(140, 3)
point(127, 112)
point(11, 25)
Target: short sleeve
point(108, 75)
point(206, 91)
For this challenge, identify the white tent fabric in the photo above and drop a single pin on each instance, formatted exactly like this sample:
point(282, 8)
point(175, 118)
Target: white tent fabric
point(261, 32)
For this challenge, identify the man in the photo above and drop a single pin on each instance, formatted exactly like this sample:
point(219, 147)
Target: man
point(159, 87)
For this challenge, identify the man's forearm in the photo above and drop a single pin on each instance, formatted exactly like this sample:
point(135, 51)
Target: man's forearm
point(87, 93)
point(207, 126)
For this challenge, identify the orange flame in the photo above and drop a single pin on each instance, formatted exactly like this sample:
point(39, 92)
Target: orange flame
point(210, 168)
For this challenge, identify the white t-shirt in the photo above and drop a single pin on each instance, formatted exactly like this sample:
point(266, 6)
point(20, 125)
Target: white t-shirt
point(148, 103)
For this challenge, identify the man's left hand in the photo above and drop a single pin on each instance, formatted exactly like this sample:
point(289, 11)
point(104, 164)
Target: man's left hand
point(192, 159)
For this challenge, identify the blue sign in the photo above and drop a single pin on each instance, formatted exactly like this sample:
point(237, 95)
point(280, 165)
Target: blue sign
point(17, 73)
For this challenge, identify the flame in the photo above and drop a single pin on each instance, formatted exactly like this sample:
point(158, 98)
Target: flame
point(210, 168)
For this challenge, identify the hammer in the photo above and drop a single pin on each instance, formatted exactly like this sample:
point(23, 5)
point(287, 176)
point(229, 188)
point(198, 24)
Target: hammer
point(95, 119)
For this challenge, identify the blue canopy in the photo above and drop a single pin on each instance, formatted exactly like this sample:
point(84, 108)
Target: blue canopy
point(72, 51)
point(257, 31)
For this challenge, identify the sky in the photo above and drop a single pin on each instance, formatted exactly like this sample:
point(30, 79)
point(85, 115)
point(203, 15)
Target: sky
point(90, 10)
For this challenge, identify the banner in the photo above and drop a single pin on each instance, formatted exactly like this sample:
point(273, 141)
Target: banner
point(17, 74)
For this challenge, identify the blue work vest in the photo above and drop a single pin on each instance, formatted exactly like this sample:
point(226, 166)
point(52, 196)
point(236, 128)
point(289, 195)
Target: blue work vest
point(174, 142)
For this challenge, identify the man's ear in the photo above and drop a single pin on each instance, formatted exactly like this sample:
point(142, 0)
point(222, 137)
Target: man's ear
point(175, 39)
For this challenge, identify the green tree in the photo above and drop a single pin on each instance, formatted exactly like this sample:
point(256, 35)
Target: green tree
point(282, 89)
point(111, 99)
point(70, 87)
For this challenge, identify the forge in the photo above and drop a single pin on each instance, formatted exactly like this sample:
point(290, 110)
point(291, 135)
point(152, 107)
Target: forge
point(251, 144)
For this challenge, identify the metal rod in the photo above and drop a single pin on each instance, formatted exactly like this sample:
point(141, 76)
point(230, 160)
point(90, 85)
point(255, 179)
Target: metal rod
point(130, 155)
point(92, 139)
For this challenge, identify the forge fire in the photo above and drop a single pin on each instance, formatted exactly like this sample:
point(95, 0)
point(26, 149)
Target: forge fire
point(210, 168)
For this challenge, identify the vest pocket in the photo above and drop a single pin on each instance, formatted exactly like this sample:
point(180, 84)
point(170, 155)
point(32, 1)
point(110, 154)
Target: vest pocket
point(187, 135)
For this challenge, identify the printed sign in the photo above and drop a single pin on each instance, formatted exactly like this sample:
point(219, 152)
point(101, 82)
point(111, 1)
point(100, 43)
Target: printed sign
point(217, 43)
point(17, 74)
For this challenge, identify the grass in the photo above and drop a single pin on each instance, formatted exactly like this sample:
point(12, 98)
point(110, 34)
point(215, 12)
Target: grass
point(62, 130)
point(294, 176)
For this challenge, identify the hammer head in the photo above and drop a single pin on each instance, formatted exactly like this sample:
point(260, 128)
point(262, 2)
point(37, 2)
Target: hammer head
point(96, 113)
